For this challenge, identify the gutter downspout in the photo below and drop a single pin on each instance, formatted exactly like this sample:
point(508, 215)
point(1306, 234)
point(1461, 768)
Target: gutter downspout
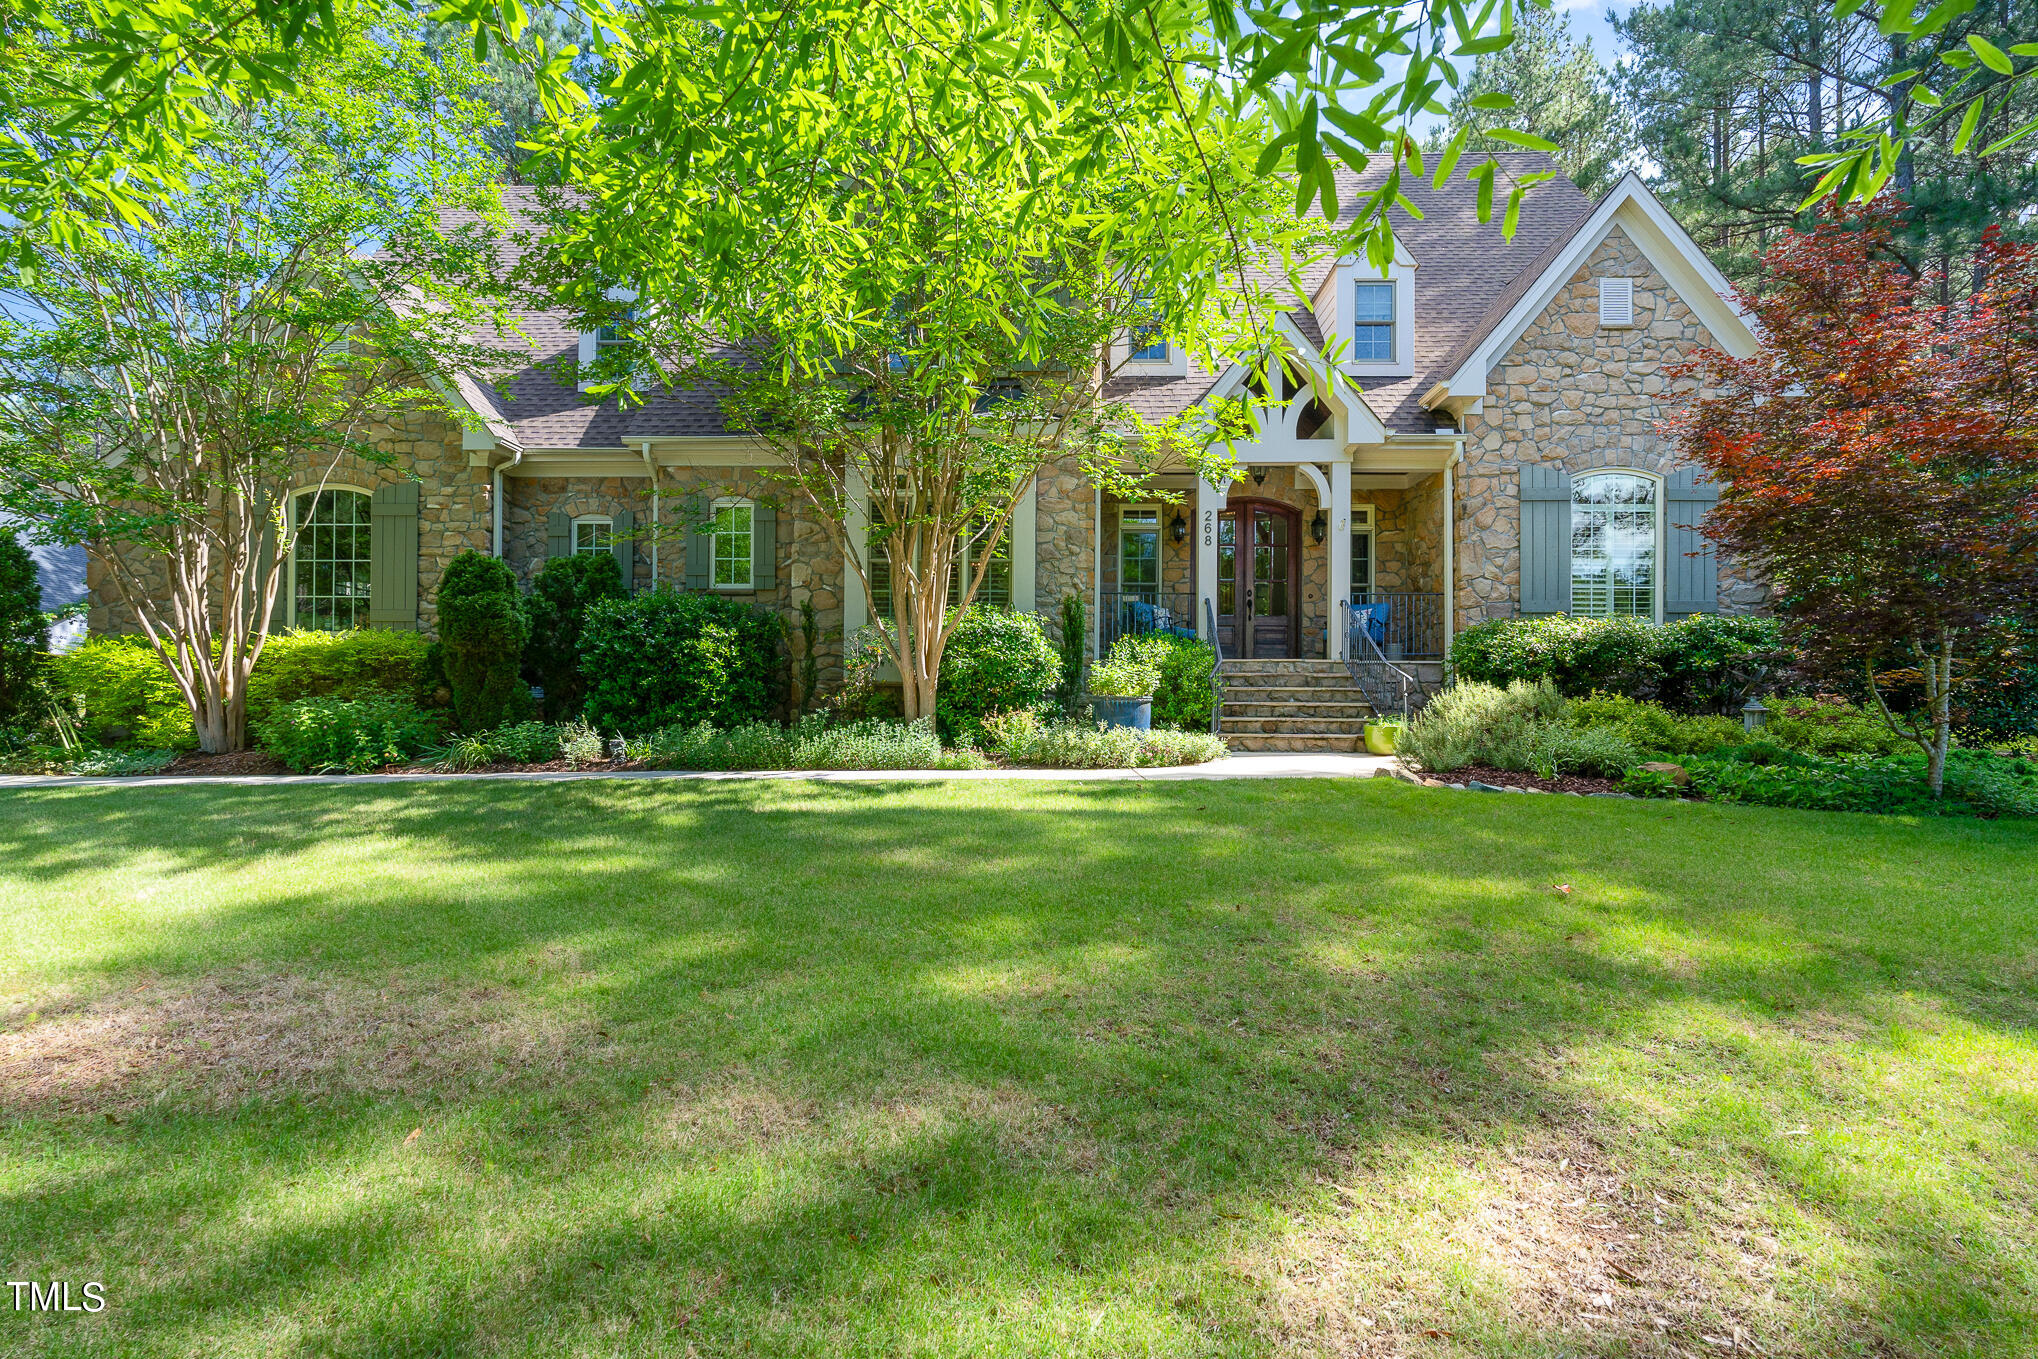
point(495, 512)
point(1451, 546)
point(651, 466)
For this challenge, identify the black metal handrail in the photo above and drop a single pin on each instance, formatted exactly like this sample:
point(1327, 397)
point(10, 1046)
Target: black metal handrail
point(1414, 622)
point(1385, 684)
point(1217, 664)
point(1131, 615)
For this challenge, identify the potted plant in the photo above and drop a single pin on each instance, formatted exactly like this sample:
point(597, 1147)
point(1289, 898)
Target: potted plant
point(1121, 692)
point(1382, 733)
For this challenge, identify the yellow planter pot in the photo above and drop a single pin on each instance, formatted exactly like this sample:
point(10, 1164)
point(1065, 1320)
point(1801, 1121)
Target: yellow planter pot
point(1380, 737)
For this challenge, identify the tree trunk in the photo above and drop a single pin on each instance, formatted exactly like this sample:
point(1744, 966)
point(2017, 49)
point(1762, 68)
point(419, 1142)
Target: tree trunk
point(1938, 672)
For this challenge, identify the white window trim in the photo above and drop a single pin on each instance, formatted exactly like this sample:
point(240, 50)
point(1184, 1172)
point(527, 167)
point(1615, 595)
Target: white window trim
point(749, 582)
point(1160, 530)
point(290, 562)
point(573, 543)
point(1657, 574)
point(1123, 364)
point(1336, 304)
point(590, 339)
point(1364, 516)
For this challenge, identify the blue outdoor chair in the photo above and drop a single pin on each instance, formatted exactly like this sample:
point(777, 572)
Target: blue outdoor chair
point(1372, 617)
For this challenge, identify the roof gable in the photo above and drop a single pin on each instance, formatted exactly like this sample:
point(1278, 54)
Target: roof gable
point(1667, 246)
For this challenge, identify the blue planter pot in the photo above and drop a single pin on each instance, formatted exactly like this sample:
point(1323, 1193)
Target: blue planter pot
point(1136, 713)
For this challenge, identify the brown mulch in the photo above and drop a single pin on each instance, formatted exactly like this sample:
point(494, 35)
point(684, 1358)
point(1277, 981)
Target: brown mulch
point(236, 762)
point(1507, 778)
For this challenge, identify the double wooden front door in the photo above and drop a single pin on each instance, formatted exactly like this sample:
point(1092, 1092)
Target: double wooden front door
point(1259, 568)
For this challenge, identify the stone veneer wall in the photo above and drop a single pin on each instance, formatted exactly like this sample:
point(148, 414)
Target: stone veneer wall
point(454, 511)
point(809, 562)
point(1065, 543)
point(1573, 394)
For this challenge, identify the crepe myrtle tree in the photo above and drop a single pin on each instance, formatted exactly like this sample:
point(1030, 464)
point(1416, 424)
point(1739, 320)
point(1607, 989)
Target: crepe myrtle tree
point(1878, 459)
point(909, 262)
point(168, 381)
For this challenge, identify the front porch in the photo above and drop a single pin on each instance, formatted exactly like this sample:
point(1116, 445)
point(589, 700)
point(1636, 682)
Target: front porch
point(1273, 560)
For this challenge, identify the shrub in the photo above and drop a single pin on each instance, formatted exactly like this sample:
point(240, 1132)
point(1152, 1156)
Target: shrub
point(1553, 748)
point(482, 629)
point(357, 735)
point(1074, 646)
point(1466, 722)
point(1123, 676)
point(1701, 663)
point(581, 743)
point(1976, 784)
point(1829, 725)
point(1651, 726)
point(524, 743)
point(664, 658)
point(1024, 739)
point(125, 693)
point(1577, 655)
point(24, 635)
point(995, 661)
point(1710, 663)
point(358, 664)
point(557, 606)
point(1183, 699)
point(811, 743)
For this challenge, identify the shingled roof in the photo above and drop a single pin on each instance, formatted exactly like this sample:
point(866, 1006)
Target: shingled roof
point(1466, 276)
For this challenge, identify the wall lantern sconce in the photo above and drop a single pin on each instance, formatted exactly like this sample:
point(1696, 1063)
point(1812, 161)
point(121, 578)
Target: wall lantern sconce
point(1316, 529)
point(1178, 528)
point(1259, 476)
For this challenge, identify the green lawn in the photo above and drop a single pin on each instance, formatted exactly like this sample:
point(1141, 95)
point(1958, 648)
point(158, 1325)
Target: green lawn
point(1015, 1069)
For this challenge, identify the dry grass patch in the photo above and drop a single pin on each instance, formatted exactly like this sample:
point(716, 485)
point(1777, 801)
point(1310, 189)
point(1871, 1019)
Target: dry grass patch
point(224, 1038)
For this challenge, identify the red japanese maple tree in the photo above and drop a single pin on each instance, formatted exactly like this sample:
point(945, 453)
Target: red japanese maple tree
point(1878, 459)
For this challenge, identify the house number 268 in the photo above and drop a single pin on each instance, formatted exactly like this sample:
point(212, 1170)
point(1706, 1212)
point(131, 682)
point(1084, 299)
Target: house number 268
point(1209, 527)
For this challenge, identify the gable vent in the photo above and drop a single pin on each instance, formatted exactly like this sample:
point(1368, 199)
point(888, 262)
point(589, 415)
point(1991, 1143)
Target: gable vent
point(1616, 301)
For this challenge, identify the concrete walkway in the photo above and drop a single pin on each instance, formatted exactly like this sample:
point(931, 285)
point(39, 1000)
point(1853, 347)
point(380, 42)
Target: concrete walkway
point(1257, 766)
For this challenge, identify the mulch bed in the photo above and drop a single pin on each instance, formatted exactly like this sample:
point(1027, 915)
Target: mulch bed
point(1508, 778)
point(234, 762)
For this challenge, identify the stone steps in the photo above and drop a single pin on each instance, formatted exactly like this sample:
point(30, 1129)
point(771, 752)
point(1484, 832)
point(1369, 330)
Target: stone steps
point(1292, 705)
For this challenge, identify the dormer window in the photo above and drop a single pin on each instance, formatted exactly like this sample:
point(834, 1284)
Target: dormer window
point(616, 332)
point(1148, 346)
point(1373, 322)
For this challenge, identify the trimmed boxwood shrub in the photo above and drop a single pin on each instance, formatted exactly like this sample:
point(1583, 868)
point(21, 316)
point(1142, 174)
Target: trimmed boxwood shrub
point(560, 597)
point(126, 695)
point(363, 663)
point(482, 629)
point(1184, 699)
point(1701, 663)
point(996, 661)
point(313, 735)
point(656, 659)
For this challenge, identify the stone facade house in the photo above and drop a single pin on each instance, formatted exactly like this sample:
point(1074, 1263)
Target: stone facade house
point(1480, 442)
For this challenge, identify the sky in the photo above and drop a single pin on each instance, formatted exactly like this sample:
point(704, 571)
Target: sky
point(1589, 19)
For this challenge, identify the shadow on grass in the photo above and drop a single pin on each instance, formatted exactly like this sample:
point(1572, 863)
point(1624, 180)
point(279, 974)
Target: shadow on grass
point(856, 1069)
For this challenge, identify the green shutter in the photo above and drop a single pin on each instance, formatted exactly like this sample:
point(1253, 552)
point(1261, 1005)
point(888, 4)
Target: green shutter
point(700, 563)
point(393, 557)
point(558, 534)
point(1691, 579)
point(1545, 540)
point(623, 543)
point(764, 547)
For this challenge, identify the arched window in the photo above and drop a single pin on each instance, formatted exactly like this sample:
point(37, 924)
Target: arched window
point(1613, 545)
point(329, 563)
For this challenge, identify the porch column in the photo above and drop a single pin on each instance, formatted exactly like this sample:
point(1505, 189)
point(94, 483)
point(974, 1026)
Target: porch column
point(1209, 502)
point(856, 518)
point(1340, 514)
